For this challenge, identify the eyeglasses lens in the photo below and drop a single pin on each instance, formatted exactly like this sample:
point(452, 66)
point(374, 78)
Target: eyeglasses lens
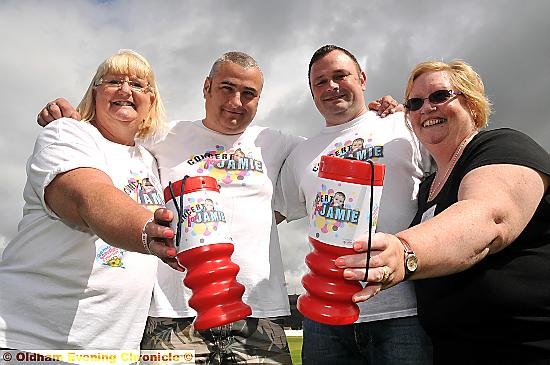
point(135, 85)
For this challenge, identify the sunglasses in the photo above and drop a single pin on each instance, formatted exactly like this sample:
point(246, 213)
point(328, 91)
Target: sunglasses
point(437, 97)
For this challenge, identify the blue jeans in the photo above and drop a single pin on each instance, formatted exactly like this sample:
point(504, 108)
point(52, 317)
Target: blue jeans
point(399, 341)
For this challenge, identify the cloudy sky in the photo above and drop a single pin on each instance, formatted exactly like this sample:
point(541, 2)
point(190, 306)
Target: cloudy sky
point(52, 48)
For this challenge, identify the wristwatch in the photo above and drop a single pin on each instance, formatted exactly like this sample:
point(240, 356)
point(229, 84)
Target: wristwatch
point(411, 261)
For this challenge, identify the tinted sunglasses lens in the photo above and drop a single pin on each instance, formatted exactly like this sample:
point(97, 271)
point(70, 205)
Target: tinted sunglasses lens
point(414, 104)
point(439, 96)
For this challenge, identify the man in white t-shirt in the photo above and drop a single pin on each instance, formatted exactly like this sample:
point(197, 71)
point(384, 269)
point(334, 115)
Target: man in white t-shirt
point(245, 160)
point(388, 331)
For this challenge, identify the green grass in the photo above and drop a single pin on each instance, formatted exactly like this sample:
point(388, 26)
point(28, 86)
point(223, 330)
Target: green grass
point(295, 345)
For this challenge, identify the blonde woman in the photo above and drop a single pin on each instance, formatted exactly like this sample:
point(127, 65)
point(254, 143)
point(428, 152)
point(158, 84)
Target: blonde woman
point(80, 272)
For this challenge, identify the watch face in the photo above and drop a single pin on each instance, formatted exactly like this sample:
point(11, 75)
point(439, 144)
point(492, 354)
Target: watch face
point(412, 262)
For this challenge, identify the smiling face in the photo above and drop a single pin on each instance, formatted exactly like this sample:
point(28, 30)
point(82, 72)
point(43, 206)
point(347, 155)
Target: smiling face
point(124, 70)
point(231, 97)
point(337, 87)
point(449, 122)
point(120, 108)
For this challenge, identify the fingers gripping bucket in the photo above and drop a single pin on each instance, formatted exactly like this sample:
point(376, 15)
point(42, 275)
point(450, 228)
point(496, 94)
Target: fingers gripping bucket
point(345, 206)
point(204, 249)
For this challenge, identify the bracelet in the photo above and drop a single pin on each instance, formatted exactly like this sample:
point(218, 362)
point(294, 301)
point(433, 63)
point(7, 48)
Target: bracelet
point(410, 259)
point(144, 237)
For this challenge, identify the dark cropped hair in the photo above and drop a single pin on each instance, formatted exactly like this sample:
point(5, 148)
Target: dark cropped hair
point(321, 52)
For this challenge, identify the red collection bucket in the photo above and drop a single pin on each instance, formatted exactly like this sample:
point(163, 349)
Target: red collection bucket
point(204, 250)
point(345, 206)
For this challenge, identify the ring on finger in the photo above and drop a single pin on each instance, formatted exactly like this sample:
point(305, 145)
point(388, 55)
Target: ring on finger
point(386, 276)
point(49, 105)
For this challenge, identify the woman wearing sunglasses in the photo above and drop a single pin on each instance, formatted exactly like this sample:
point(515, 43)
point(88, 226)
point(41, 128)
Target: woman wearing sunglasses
point(479, 246)
point(75, 276)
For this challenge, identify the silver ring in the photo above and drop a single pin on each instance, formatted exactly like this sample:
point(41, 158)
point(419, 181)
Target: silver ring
point(386, 275)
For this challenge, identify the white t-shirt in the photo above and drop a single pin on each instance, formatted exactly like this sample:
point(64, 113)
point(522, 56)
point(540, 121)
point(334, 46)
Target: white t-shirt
point(62, 287)
point(386, 141)
point(246, 191)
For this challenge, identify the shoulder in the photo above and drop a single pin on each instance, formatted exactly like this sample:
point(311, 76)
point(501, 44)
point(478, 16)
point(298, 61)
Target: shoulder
point(69, 131)
point(180, 124)
point(177, 130)
point(68, 144)
point(502, 133)
point(273, 135)
point(67, 124)
point(507, 146)
point(506, 139)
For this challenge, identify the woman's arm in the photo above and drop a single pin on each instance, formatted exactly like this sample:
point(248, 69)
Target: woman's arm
point(496, 202)
point(86, 197)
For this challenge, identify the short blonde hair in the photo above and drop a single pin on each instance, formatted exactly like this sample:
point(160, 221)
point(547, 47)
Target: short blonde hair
point(128, 62)
point(464, 79)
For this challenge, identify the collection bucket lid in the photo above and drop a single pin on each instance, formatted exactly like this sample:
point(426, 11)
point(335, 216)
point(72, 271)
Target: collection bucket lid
point(192, 184)
point(351, 170)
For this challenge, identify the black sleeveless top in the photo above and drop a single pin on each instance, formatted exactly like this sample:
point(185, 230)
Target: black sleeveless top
point(502, 304)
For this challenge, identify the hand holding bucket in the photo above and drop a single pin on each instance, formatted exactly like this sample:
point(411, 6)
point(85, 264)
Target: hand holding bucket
point(204, 249)
point(346, 205)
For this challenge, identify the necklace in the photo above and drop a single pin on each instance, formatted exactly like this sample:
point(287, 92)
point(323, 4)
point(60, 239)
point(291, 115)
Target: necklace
point(435, 187)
